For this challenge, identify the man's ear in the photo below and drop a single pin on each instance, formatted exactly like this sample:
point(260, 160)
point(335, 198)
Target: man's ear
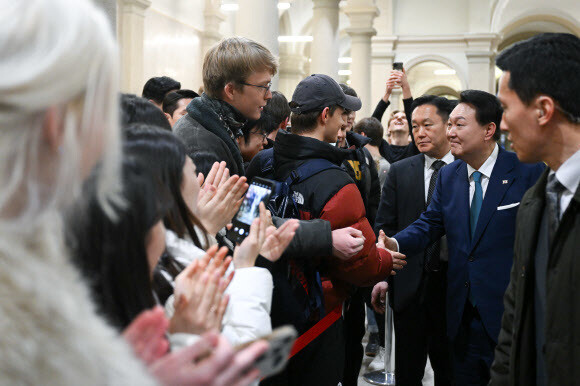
point(545, 109)
point(228, 92)
point(363, 133)
point(240, 141)
point(169, 117)
point(324, 115)
point(52, 128)
point(490, 131)
point(284, 124)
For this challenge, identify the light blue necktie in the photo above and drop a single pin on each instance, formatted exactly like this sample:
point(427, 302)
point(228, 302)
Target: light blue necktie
point(475, 202)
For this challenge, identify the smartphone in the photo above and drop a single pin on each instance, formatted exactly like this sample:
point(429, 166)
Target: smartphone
point(259, 191)
point(274, 359)
point(398, 66)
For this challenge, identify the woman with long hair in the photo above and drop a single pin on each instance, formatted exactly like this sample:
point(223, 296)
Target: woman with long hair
point(118, 255)
point(248, 313)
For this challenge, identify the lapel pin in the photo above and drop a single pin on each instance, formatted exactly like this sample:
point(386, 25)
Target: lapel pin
point(504, 182)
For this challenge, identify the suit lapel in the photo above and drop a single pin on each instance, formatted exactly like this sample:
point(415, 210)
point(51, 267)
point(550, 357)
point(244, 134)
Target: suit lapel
point(500, 180)
point(462, 213)
point(417, 176)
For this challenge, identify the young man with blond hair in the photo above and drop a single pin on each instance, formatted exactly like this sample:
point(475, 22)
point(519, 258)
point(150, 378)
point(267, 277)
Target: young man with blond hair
point(237, 75)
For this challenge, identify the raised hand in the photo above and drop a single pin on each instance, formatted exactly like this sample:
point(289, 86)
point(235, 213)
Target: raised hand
point(199, 301)
point(246, 253)
point(277, 240)
point(379, 296)
point(220, 197)
point(347, 242)
point(146, 335)
point(211, 361)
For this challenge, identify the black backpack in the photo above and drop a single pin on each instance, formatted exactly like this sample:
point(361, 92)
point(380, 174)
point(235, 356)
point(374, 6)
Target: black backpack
point(306, 307)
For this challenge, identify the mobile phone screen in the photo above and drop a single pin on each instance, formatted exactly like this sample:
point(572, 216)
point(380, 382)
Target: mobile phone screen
point(249, 209)
point(258, 191)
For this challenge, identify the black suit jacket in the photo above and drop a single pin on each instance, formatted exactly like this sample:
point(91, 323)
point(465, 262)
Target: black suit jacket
point(402, 202)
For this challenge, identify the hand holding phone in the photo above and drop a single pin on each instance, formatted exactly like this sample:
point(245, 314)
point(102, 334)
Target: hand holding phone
point(398, 66)
point(259, 191)
point(280, 343)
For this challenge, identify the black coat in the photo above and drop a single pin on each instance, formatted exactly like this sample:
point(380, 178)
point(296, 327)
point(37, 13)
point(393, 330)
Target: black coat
point(515, 354)
point(402, 202)
point(207, 139)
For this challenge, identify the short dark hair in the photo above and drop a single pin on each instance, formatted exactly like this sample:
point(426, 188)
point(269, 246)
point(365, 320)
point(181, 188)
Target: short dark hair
point(348, 91)
point(265, 124)
point(443, 105)
point(372, 128)
point(546, 64)
point(277, 108)
point(156, 88)
point(170, 101)
point(135, 109)
point(306, 122)
point(487, 108)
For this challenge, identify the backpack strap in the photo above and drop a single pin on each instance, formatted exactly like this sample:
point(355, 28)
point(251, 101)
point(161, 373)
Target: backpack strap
point(267, 162)
point(309, 169)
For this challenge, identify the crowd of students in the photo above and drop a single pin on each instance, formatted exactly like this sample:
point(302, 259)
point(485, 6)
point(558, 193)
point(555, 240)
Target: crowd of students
point(116, 266)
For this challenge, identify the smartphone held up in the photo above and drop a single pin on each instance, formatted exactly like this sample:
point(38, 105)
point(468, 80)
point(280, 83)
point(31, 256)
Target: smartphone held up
point(259, 191)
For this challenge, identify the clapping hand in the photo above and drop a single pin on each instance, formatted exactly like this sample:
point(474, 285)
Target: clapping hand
point(199, 301)
point(146, 335)
point(220, 197)
point(277, 240)
point(211, 361)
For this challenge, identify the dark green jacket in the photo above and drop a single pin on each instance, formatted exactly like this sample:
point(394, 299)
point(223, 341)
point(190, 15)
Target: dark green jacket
point(515, 354)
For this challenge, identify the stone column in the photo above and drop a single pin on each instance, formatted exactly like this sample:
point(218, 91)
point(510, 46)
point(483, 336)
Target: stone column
point(291, 73)
point(131, 36)
point(324, 49)
point(361, 14)
point(258, 20)
point(383, 56)
point(213, 17)
point(480, 53)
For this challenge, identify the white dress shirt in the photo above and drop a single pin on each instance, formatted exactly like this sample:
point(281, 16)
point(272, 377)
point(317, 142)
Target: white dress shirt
point(485, 171)
point(569, 175)
point(428, 171)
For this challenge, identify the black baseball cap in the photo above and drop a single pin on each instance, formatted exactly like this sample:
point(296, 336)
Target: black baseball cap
point(319, 91)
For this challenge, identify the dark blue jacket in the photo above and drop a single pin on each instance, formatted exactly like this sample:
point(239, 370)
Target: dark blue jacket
point(483, 264)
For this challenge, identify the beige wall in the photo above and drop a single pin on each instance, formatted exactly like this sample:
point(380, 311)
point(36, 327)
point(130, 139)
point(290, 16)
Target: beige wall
point(172, 46)
point(460, 34)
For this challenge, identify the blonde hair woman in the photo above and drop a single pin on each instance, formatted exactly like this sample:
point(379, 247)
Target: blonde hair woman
point(58, 117)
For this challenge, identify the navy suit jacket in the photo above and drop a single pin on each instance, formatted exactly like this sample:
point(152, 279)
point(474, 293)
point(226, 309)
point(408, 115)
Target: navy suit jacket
point(483, 264)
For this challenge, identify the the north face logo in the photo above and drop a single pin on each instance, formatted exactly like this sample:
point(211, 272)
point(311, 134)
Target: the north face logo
point(298, 198)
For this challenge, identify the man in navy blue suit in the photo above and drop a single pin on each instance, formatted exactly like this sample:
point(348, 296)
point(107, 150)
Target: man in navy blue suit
point(474, 204)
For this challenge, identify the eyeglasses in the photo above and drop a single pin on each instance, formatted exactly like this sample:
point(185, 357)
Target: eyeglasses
point(266, 88)
point(260, 133)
